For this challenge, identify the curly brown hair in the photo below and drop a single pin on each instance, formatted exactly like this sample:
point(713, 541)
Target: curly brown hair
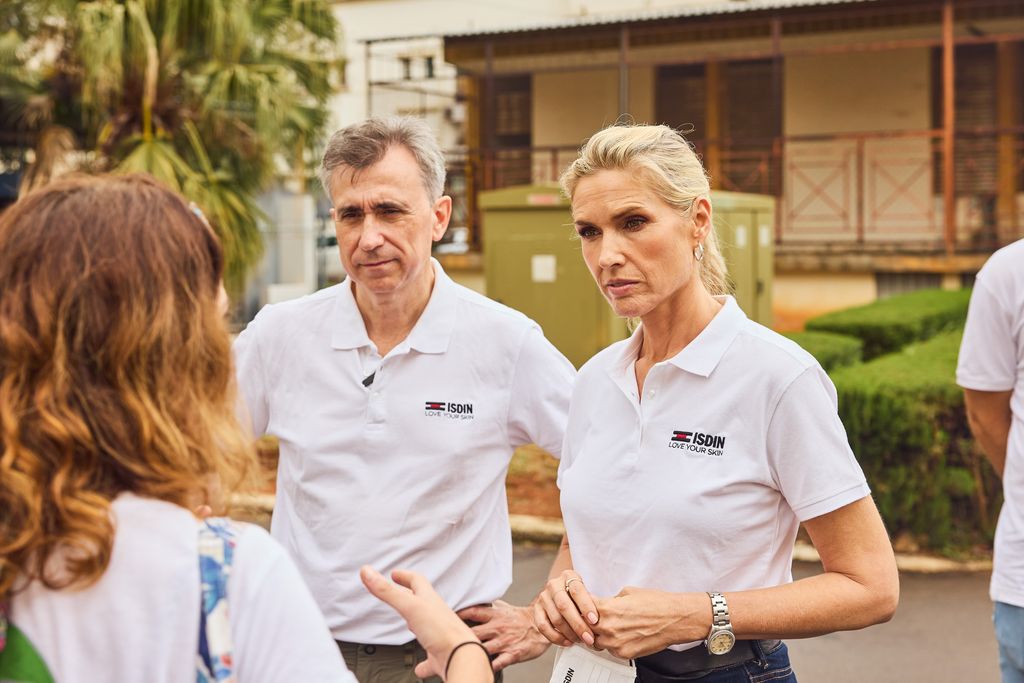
point(115, 370)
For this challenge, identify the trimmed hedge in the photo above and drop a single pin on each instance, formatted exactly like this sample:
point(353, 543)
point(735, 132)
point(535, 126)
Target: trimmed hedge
point(888, 325)
point(906, 422)
point(832, 350)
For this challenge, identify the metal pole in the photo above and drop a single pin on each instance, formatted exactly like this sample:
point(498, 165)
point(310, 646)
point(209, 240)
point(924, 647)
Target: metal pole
point(369, 81)
point(948, 124)
point(778, 145)
point(489, 116)
point(623, 70)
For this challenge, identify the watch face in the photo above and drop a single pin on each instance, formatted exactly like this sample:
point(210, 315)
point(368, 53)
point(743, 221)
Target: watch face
point(721, 642)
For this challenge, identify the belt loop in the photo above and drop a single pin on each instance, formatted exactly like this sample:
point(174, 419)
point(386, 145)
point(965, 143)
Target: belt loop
point(762, 658)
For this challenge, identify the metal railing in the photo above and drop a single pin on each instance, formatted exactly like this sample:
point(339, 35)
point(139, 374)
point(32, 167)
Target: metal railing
point(876, 189)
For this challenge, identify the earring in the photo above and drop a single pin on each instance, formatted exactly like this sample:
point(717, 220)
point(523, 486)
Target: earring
point(698, 253)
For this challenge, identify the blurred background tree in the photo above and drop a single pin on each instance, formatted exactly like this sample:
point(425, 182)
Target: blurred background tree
point(216, 98)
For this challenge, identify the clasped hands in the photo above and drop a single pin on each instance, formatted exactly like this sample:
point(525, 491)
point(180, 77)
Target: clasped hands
point(633, 623)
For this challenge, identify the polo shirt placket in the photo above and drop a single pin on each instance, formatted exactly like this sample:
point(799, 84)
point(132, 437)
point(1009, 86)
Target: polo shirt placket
point(698, 487)
point(406, 470)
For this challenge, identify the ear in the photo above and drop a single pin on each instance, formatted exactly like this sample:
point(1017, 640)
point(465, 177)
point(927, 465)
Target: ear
point(700, 212)
point(442, 214)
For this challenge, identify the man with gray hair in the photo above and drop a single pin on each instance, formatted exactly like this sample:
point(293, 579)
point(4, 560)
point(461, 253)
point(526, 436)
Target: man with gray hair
point(398, 397)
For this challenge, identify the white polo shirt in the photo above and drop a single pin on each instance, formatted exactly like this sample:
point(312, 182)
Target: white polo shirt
point(410, 471)
point(701, 485)
point(992, 359)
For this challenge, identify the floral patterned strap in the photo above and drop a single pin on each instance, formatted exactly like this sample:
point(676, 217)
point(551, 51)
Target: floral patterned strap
point(3, 625)
point(217, 540)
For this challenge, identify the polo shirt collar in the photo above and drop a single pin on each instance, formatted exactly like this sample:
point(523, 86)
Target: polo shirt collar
point(430, 334)
point(702, 355)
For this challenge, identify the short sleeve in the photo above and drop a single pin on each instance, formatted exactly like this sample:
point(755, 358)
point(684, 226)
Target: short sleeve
point(541, 389)
point(808, 452)
point(253, 412)
point(277, 630)
point(988, 356)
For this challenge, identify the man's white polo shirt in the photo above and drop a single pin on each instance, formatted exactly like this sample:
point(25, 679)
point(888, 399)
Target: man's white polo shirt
point(408, 472)
point(992, 359)
point(701, 485)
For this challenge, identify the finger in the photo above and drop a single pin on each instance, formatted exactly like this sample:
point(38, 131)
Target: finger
point(383, 589)
point(556, 617)
point(203, 511)
point(493, 647)
point(410, 579)
point(501, 661)
point(540, 621)
point(478, 613)
point(584, 601)
point(485, 632)
point(425, 670)
point(572, 617)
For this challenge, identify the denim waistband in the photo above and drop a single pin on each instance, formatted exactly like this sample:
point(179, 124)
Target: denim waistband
point(669, 665)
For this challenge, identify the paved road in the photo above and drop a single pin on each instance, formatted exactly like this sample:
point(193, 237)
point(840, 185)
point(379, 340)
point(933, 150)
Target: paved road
point(941, 632)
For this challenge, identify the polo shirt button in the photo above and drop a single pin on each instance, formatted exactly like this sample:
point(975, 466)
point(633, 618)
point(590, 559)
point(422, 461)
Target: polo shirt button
point(370, 649)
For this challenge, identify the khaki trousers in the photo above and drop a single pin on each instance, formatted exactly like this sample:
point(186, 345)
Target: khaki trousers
point(387, 663)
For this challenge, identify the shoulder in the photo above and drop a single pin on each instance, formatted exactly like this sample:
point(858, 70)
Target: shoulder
point(1005, 268)
point(773, 352)
point(1009, 257)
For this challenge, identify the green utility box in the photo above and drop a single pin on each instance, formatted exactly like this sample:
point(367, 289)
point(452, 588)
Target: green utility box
point(532, 262)
point(745, 225)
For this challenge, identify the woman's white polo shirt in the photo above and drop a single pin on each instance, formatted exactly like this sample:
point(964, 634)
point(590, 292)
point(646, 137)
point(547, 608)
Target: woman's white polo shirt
point(701, 485)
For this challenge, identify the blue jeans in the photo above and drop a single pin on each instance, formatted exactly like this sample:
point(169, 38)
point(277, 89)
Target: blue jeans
point(774, 668)
point(1009, 623)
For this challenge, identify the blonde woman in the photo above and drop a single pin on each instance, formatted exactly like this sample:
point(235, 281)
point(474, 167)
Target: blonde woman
point(696, 448)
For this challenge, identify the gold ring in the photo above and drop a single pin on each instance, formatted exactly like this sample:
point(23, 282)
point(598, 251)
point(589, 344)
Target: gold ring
point(569, 582)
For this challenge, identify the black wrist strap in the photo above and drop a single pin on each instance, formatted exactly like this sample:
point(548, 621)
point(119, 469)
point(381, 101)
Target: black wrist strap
point(456, 649)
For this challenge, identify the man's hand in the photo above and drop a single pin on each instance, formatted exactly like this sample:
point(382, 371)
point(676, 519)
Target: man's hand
point(506, 631)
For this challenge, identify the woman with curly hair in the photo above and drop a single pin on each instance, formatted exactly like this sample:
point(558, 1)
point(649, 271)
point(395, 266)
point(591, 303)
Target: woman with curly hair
point(116, 414)
point(116, 411)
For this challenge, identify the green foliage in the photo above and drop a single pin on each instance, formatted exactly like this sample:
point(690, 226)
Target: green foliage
point(830, 349)
point(906, 422)
point(890, 324)
point(216, 98)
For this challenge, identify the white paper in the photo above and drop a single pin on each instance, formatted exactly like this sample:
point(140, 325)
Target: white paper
point(543, 267)
point(577, 664)
point(741, 236)
point(766, 235)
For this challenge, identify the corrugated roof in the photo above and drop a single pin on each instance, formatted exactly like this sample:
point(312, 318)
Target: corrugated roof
point(706, 9)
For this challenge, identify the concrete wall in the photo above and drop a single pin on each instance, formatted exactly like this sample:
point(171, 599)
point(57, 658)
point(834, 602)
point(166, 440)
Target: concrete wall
point(799, 296)
point(570, 106)
point(857, 92)
point(864, 92)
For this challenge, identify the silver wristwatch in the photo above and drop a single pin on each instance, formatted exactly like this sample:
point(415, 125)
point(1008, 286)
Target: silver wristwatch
point(721, 638)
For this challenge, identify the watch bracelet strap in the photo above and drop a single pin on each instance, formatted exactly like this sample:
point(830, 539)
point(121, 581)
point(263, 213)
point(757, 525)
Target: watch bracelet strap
point(719, 610)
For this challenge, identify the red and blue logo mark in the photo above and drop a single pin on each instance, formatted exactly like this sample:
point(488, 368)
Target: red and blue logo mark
point(449, 409)
point(698, 443)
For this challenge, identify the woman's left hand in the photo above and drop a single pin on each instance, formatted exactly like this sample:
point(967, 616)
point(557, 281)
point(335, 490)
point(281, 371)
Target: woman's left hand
point(641, 621)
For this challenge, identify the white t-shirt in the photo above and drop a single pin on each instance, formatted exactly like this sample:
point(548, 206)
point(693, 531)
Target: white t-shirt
point(701, 485)
point(140, 622)
point(992, 359)
point(409, 471)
